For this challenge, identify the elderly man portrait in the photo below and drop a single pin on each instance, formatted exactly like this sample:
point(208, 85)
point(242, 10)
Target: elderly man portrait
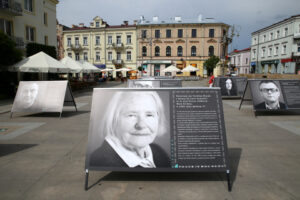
point(269, 91)
point(130, 126)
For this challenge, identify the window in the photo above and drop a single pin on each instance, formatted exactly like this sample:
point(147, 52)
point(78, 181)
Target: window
point(6, 27)
point(284, 49)
point(118, 55)
point(168, 33)
point(271, 36)
point(97, 24)
point(128, 39)
point(30, 33)
point(254, 54)
point(77, 56)
point(276, 50)
point(109, 39)
point(70, 55)
point(144, 33)
point(46, 40)
point(85, 41)
point(97, 56)
point(254, 40)
point(246, 61)
point(179, 51)
point(180, 33)
point(193, 51)
point(157, 51)
point(109, 56)
point(298, 47)
point(69, 42)
point(76, 41)
point(97, 40)
point(28, 5)
point(85, 56)
point(144, 51)
point(263, 51)
point(194, 33)
point(157, 33)
point(211, 33)
point(278, 34)
point(45, 18)
point(270, 51)
point(285, 33)
point(211, 51)
point(128, 55)
point(264, 38)
point(119, 39)
point(168, 51)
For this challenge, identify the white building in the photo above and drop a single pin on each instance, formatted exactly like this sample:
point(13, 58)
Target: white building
point(29, 21)
point(240, 61)
point(276, 48)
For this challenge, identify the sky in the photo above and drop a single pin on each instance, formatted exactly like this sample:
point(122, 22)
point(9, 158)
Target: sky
point(247, 16)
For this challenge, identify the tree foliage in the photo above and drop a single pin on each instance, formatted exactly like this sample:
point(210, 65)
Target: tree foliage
point(211, 63)
point(9, 54)
point(33, 48)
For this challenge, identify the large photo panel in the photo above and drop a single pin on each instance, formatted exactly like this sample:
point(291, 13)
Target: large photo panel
point(157, 130)
point(267, 95)
point(40, 96)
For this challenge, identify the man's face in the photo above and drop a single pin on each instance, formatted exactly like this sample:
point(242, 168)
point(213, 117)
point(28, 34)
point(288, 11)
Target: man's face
point(269, 92)
point(137, 125)
point(228, 84)
point(29, 94)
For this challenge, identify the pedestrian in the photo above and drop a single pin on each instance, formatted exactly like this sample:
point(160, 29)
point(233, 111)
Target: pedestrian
point(211, 80)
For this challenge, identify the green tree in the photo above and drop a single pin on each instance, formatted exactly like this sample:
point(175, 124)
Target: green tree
point(9, 54)
point(211, 63)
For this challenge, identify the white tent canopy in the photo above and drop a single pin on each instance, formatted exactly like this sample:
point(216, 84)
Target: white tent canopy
point(123, 70)
point(190, 68)
point(171, 68)
point(75, 67)
point(106, 70)
point(40, 62)
point(88, 67)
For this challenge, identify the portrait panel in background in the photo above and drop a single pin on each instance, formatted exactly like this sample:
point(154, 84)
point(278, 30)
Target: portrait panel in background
point(228, 86)
point(144, 83)
point(267, 95)
point(129, 129)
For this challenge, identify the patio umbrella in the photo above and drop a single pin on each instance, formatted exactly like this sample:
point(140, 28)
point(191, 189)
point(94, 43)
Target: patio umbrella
point(40, 62)
point(106, 70)
point(75, 66)
point(171, 68)
point(88, 67)
point(190, 68)
point(123, 70)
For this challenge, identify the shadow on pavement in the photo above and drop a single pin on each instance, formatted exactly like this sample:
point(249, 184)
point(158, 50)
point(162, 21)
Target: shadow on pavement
point(6, 149)
point(56, 114)
point(234, 159)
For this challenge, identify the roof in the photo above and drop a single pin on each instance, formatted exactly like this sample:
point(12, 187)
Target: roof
point(277, 23)
point(240, 51)
point(178, 20)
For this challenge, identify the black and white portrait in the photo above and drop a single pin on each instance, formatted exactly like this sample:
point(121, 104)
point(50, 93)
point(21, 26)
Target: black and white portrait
point(144, 84)
point(129, 129)
point(267, 95)
point(228, 87)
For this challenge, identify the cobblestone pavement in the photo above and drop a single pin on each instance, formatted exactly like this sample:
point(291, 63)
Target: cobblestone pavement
point(45, 158)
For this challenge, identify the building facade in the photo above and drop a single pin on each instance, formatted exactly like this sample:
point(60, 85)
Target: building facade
point(103, 45)
point(240, 61)
point(276, 48)
point(179, 42)
point(60, 41)
point(29, 21)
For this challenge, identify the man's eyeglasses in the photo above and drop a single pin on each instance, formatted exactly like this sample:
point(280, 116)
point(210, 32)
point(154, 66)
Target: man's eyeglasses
point(266, 90)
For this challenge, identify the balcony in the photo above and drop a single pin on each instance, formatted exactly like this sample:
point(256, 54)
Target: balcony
point(117, 62)
point(296, 35)
point(76, 48)
point(11, 7)
point(118, 46)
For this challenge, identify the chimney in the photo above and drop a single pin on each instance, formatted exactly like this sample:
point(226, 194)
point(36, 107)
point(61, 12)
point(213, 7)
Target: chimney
point(125, 23)
point(200, 18)
point(155, 19)
point(81, 25)
point(177, 19)
point(135, 22)
point(142, 19)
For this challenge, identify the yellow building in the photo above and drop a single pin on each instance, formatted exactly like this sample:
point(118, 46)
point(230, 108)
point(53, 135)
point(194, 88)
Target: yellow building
point(29, 21)
point(179, 42)
point(105, 46)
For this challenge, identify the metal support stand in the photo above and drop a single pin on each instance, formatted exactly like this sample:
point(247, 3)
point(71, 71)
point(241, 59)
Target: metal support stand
point(243, 95)
point(228, 180)
point(11, 114)
point(86, 179)
point(60, 115)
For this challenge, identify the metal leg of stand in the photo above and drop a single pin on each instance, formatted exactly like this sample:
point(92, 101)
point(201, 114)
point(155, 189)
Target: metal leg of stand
point(60, 115)
point(86, 179)
point(11, 114)
point(228, 180)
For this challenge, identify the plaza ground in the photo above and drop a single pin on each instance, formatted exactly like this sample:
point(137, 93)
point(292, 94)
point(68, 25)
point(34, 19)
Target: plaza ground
point(46, 159)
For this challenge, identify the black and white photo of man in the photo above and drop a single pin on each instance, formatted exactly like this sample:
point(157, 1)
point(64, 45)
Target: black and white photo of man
point(130, 126)
point(144, 84)
point(270, 93)
point(29, 94)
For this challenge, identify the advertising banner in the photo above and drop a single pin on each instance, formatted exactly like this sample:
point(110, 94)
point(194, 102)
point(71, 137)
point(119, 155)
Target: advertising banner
point(271, 95)
point(157, 130)
point(42, 96)
point(231, 86)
